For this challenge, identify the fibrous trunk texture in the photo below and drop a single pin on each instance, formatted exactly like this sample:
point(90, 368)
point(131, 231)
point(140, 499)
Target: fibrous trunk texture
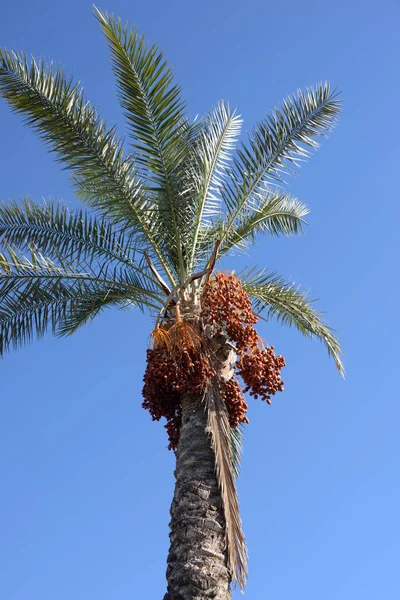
point(197, 560)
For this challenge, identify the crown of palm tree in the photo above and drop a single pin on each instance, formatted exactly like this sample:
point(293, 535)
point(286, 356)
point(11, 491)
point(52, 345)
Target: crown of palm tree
point(183, 191)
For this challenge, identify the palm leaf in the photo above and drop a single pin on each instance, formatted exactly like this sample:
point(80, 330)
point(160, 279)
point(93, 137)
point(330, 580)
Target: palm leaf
point(103, 176)
point(277, 214)
point(237, 439)
point(56, 231)
point(155, 113)
point(280, 142)
point(221, 441)
point(211, 157)
point(291, 306)
point(36, 291)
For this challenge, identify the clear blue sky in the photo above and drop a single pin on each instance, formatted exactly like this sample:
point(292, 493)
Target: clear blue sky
point(85, 476)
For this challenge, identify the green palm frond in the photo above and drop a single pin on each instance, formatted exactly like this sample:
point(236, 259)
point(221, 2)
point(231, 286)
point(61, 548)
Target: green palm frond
point(280, 142)
point(37, 291)
point(156, 115)
point(291, 306)
point(54, 230)
point(152, 102)
point(277, 214)
point(103, 176)
point(212, 153)
point(237, 439)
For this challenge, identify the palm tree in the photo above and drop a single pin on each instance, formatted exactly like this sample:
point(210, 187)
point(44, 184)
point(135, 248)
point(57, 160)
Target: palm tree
point(161, 217)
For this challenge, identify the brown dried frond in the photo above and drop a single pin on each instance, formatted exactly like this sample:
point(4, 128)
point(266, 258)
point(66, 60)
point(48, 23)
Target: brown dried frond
point(219, 431)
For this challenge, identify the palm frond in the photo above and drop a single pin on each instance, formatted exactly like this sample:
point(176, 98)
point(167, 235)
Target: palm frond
point(280, 142)
point(53, 225)
point(103, 176)
point(54, 230)
point(212, 153)
point(276, 214)
point(237, 439)
point(291, 306)
point(36, 292)
point(221, 441)
point(155, 113)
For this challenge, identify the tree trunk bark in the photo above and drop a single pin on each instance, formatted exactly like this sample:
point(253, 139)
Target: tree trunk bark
point(197, 559)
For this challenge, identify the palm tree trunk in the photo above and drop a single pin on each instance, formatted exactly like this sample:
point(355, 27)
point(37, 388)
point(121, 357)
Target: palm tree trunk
point(197, 559)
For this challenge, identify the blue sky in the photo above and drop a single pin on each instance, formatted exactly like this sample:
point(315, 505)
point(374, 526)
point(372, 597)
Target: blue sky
point(86, 477)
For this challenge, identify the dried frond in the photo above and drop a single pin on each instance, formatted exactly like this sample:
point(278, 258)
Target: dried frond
point(221, 441)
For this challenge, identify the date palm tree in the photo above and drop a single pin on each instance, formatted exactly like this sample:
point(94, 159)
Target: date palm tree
point(161, 216)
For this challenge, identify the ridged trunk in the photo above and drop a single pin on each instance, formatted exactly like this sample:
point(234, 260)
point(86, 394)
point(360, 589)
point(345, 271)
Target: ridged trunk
point(197, 559)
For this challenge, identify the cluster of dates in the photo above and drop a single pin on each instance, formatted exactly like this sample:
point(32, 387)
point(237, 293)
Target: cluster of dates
point(227, 305)
point(176, 367)
point(167, 376)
